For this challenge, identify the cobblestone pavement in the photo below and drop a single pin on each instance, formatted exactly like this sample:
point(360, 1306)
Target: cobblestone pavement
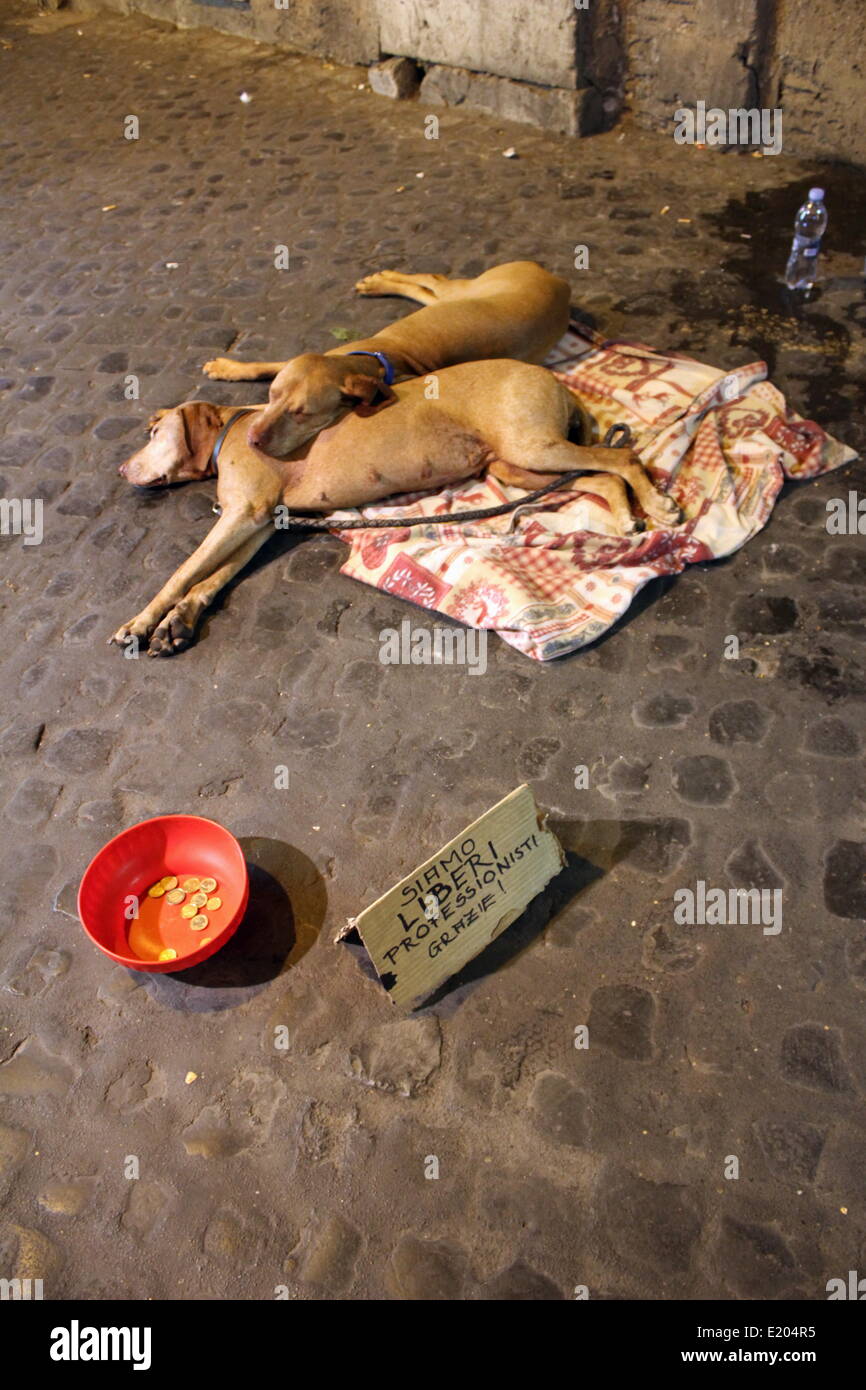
point(306, 1167)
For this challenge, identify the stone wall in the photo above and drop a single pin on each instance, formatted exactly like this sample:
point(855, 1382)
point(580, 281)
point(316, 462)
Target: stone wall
point(679, 52)
point(521, 39)
point(575, 69)
point(801, 56)
point(819, 76)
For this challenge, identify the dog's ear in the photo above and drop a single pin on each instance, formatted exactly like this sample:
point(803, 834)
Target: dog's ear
point(202, 422)
point(201, 417)
point(359, 387)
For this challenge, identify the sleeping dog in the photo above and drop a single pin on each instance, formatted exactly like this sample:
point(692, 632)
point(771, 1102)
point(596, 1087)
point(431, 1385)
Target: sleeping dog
point(506, 416)
point(515, 310)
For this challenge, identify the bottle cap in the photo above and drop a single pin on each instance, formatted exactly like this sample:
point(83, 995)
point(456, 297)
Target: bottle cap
point(816, 195)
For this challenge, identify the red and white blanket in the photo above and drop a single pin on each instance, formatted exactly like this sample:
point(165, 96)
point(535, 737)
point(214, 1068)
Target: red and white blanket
point(553, 576)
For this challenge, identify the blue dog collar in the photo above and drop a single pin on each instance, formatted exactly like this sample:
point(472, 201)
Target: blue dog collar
point(220, 439)
point(380, 357)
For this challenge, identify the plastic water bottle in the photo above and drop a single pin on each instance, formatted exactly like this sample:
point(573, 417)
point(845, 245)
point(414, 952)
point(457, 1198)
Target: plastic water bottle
point(809, 227)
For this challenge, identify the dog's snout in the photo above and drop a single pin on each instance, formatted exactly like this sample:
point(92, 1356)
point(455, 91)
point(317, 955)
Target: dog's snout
point(257, 435)
point(122, 470)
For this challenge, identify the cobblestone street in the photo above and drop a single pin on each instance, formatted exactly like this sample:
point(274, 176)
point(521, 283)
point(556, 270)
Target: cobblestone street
point(305, 1166)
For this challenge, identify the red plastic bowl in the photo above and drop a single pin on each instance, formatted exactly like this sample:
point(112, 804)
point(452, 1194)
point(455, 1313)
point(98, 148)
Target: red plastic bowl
point(139, 857)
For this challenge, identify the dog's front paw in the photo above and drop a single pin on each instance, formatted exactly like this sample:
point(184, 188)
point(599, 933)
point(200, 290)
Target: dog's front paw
point(223, 369)
point(174, 634)
point(134, 633)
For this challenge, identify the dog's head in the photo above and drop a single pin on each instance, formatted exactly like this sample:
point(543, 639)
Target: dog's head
point(309, 393)
point(179, 446)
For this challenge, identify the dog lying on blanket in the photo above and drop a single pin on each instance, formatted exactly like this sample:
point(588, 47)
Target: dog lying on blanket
point(514, 310)
point(509, 417)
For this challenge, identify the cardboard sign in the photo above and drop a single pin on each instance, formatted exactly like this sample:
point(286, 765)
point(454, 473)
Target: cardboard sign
point(437, 918)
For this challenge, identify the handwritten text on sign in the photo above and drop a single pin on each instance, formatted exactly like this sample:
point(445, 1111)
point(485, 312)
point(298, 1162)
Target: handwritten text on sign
point(428, 926)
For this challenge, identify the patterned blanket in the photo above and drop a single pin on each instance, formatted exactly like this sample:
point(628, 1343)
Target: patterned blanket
point(553, 576)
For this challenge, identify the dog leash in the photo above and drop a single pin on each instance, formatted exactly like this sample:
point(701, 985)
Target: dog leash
point(617, 437)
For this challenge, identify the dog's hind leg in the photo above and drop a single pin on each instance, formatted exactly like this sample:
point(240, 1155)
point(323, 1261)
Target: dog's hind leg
point(609, 488)
point(560, 456)
point(612, 492)
point(513, 476)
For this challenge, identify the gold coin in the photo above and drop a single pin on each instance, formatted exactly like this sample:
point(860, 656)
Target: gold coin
point(168, 882)
point(214, 904)
point(176, 895)
point(168, 954)
point(208, 884)
point(191, 885)
point(156, 891)
point(187, 910)
point(199, 900)
point(199, 923)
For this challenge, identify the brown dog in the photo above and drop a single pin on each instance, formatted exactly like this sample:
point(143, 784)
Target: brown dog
point(517, 310)
point(505, 415)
